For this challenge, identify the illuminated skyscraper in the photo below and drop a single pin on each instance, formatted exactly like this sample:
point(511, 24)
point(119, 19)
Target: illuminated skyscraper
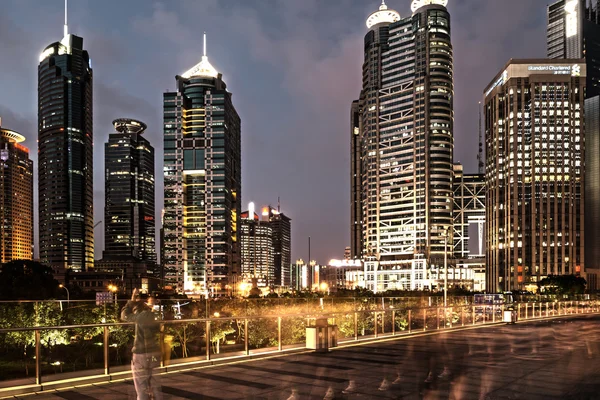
point(65, 156)
point(535, 146)
point(402, 147)
point(129, 225)
point(257, 250)
point(16, 198)
point(202, 171)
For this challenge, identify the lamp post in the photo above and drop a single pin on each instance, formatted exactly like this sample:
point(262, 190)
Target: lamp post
point(64, 287)
point(114, 289)
point(445, 268)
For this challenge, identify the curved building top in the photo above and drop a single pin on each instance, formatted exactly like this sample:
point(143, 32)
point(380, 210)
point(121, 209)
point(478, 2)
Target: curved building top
point(383, 15)
point(128, 125)
point(416, 4)
point(11, 136)
point(203, 68)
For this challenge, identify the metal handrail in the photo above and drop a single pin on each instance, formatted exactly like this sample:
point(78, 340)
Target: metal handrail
point(413, 314)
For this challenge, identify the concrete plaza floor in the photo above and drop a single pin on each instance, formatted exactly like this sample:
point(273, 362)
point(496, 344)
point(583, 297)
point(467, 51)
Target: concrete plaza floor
point(551, 359)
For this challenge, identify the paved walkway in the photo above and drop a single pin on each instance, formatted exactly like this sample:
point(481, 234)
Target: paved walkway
point(555, 359)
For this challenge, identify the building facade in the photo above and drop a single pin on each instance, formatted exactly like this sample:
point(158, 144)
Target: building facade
point(129, 226)
point(402, 147)
point(535, 147)
point(469, 214)
point(257, 250)
point(574, 32)
point(281, 226)
point(16, 198)
point(202, 173)
point(65, 156)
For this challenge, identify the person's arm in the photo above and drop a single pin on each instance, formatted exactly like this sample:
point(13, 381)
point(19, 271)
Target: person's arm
point(127, 314)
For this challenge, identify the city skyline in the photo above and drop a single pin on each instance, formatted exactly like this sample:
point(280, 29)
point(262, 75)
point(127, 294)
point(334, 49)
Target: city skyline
point(296, 120)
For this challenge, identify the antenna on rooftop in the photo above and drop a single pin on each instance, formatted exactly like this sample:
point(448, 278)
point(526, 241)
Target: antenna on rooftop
point(480, 152)
point(66, 27)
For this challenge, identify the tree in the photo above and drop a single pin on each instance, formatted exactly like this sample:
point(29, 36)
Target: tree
point(562, 284)
point(27, 280)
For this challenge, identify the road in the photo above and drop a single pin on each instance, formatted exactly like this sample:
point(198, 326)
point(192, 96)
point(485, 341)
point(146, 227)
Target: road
point(553, 359)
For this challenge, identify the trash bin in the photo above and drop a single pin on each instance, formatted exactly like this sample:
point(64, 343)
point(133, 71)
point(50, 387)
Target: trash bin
point(321, 336)
point(510, 316)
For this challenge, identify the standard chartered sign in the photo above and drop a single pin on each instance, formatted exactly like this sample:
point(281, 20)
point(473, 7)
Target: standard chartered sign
point(573, 70)
point(571, 18)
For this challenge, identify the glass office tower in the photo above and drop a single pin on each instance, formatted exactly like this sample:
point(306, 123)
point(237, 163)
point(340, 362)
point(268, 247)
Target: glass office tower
point(65, 156)
point(202, 172)
point(129, 226)
point(535, 148)
point(402, 147)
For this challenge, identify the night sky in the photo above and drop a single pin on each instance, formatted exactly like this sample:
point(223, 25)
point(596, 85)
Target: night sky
point(293, 66)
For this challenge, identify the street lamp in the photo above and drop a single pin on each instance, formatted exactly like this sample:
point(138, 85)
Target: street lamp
point(64, 287)
point(114, 289)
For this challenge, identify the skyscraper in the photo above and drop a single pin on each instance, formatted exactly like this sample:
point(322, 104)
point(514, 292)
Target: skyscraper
point(65, 156)
point(281, 226)
point(257, 250)
point(535, 144)
point(129, 226)
point(574, 32)
point(402, 147)
point(202, 170)
point(16, 198)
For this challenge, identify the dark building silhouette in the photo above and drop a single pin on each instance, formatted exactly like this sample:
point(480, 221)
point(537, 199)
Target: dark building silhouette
point(65, 156)
point(129, 225)
point(574, 32)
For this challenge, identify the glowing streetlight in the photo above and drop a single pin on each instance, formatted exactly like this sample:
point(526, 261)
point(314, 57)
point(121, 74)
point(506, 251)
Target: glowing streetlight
point(64, 287)
point(114, 289)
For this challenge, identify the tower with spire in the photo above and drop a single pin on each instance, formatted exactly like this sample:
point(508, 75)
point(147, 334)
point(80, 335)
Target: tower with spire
point(402, 147)
point(65, 155)
point(202, 175)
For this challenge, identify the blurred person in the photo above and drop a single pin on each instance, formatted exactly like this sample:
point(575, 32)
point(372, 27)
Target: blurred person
point(146, 346)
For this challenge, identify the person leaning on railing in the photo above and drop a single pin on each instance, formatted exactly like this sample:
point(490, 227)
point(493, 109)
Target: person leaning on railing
point(146, 347)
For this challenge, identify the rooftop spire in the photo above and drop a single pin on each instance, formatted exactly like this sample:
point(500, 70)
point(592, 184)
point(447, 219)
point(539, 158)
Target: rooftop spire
point(203, 68)
point(66, 27)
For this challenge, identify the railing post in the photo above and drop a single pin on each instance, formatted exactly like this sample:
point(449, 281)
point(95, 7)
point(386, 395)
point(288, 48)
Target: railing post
point(494, 314)
point(246, 347)
point(462, 316)
point(451, 318)
point(162, 345)
point(437, 314)
point(472, 315)
point(393, 322)
point(106, 363)
point(409, 321)
point(207, 340)
point(518, 310)
point(424, 319)
point(38, 359)
point(355, 325)
point(376, 323)
point(526, 309)
point(546, 309)
point(279, 333)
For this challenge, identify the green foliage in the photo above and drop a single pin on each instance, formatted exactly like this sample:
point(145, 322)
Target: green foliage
point(27, 280)
point(562, 284)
